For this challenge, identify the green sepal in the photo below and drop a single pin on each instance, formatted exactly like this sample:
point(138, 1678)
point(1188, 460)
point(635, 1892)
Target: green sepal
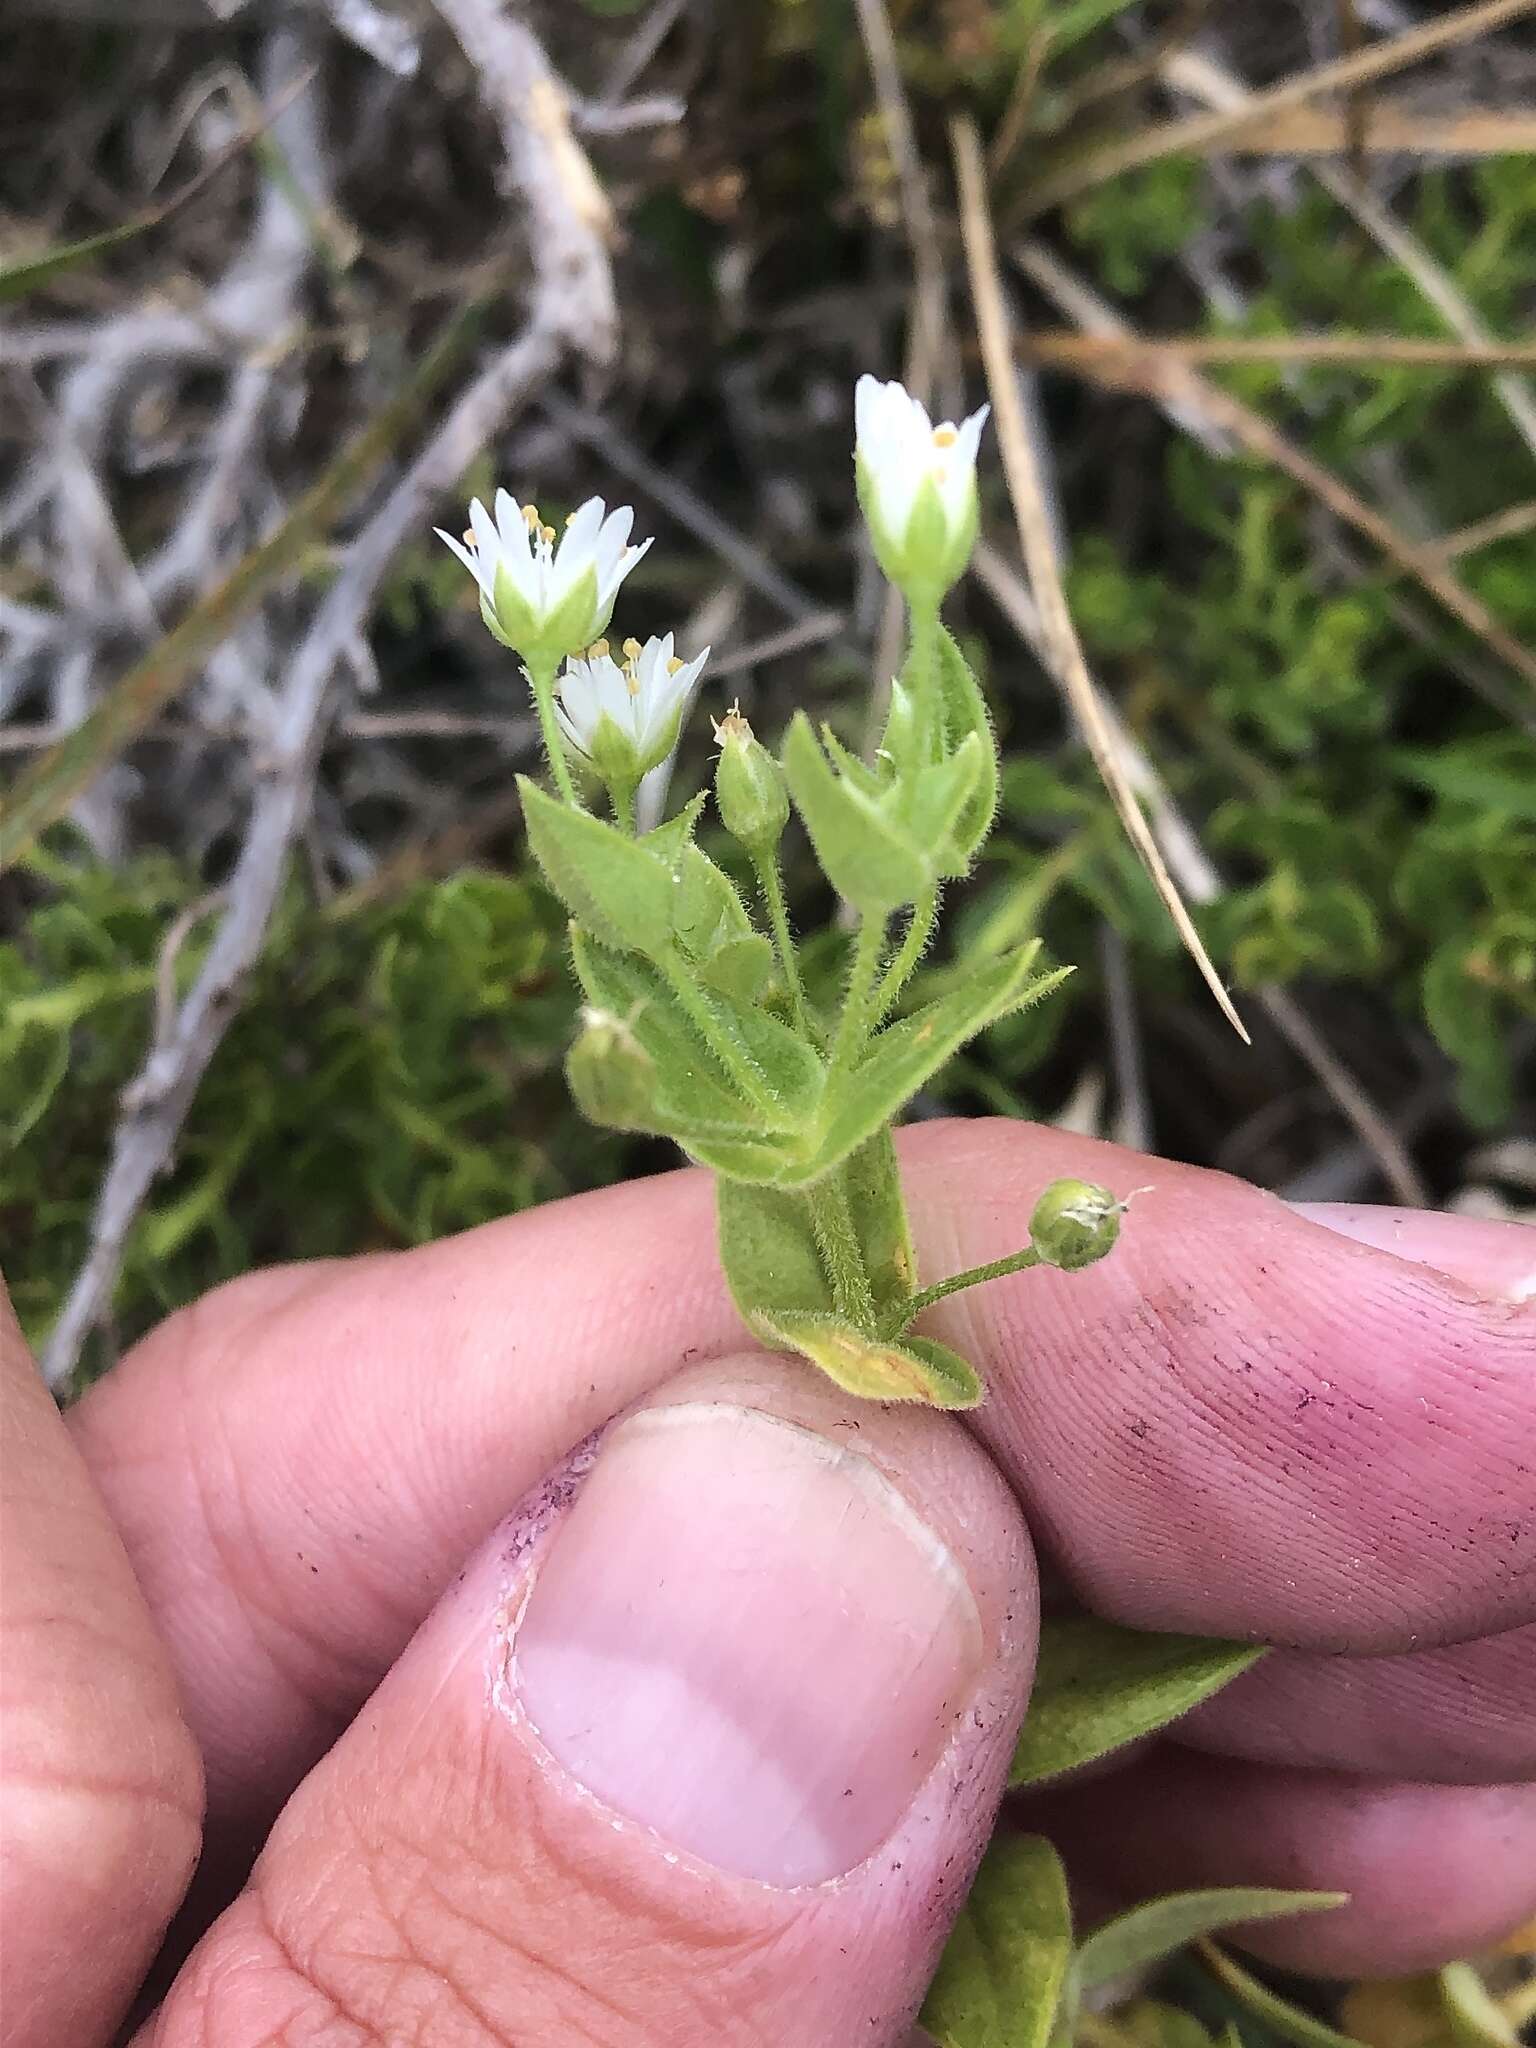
point(1099, 1686)
point(493, 624)
point(905, 1056)
point(1003, 1974)
point(865, 854)
point(611, 884)
point(873, 1368)
point(574, 623)
point(964, 711)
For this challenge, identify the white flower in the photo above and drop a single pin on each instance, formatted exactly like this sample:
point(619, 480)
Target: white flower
point(917, 484)
point(624, 716)
point(538, 598)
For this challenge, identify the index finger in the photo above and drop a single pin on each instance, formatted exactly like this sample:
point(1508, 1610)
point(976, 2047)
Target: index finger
point(1241, 1422)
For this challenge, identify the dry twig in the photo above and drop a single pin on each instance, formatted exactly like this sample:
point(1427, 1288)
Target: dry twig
point(572, 306)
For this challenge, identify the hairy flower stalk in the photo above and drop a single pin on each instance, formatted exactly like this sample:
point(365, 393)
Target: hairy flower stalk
point(703, 1023)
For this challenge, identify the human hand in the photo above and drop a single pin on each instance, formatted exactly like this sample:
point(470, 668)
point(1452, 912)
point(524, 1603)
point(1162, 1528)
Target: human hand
point(775, 1643)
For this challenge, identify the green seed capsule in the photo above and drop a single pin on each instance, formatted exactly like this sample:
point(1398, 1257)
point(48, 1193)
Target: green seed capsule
point(749, 788)
point(611, 1074)
point(1074, 1223)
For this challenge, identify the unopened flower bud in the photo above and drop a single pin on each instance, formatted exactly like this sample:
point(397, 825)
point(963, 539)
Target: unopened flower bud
point(749, 788)
point(1074, 1223)
point(611, 1074)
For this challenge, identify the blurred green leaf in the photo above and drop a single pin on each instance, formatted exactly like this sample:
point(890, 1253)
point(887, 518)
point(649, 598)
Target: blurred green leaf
point(1004, 1970)
point(1099, 1686)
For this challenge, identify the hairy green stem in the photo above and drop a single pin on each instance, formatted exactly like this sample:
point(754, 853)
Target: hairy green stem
point(973, 1276)
point(622, 796)
point(913, 946)
point(922, 667)
point(771, 887)
point(858, 1017)
point(542, 677)
point(841, 1253)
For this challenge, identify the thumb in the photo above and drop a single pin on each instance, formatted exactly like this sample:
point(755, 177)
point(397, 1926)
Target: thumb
point(702, 1747)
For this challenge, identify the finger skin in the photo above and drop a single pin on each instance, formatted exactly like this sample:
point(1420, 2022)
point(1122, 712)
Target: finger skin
point(1463, 1715)
point(441, 1878)
point(1242, 1423)
point(1239, 1423)
point(1433, 1871)
point(100, 1779)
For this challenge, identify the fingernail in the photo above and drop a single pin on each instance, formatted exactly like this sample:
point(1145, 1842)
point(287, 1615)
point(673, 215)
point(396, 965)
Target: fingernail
point(743, 1637)
point(1498, 1259)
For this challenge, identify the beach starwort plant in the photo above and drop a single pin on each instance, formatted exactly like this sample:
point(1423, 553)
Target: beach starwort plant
point(698, 1026)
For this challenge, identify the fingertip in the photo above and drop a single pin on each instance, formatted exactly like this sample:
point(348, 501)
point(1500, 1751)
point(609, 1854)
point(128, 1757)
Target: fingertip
point(1496, 1259)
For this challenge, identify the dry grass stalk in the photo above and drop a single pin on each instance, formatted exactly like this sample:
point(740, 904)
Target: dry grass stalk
point(1204, 134)
point(1037, 543)
point(1368, 351)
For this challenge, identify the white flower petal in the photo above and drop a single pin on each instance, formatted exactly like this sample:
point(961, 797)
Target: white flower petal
point(463, 553)
point(626, 562)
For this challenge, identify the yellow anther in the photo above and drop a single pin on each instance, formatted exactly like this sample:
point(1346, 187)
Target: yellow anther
point(469, 539)
point(547, 535)
point(673, 666)
point(632, 649)
point(944, 437)
point(597, 650)
point(531, 518)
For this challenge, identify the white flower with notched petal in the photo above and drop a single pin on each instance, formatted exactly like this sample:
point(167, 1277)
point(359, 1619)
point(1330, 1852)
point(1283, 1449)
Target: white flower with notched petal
point(543, 600)
point(917, 485)
point(624, 717)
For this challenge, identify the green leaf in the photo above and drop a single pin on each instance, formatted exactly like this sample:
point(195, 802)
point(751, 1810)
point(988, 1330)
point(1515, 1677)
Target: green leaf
point(1476, 2018)
point(694, 1096)
point(1099, 1686)
point(1149, 2023)
point(714, 931)
point(866, 856)
point(938, 800)
point(706, 911)
point(1494, 774)
point(769, 1251)
point(871, 1367)
point(908, 1054)
point(965, 713)
point(26, 272)
point(1150, 1932)
point(1004, 1969)
point(872, 1182)
point(618, 888)
point(671, 837)
point(1300, 2028)
point(740, 968)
